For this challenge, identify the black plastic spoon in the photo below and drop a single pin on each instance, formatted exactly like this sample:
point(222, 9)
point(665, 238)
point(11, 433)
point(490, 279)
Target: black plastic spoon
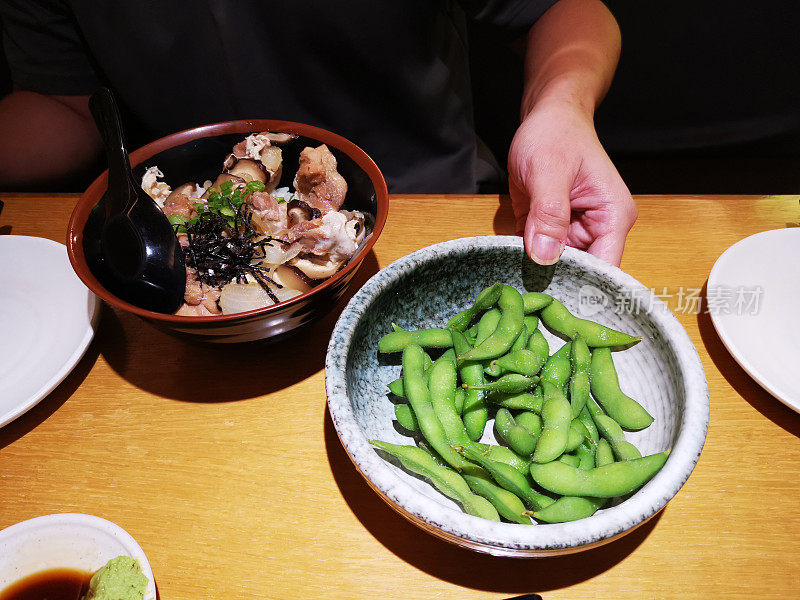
point(129, 244)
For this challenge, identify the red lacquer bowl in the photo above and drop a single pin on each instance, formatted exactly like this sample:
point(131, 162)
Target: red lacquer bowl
point(196, 155)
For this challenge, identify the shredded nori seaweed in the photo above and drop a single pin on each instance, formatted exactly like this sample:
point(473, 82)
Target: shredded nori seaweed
point(221, 253)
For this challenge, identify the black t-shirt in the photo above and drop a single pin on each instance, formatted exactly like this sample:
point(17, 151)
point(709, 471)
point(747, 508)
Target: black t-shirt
point(391, 76)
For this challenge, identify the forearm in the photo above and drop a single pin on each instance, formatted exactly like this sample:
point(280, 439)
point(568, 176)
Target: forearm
point(572, 53)
point(46, 139)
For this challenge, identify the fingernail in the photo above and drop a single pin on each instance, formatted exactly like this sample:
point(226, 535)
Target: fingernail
point(545, 250)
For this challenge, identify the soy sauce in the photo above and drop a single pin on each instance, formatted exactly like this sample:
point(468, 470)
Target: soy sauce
point(52, 584)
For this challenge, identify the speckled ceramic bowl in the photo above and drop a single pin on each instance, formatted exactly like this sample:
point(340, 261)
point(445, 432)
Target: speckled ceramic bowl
point(427, 287)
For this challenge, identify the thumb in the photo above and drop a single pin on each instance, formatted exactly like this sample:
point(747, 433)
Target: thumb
point(548, 220)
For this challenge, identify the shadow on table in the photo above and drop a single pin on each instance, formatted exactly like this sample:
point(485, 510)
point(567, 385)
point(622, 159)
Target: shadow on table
point(192, 371)
point(739, 380)
point(458, 565)
point(53, 401)
point(504, 222)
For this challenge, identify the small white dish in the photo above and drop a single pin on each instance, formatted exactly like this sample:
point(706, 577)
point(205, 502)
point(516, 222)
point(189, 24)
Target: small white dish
point(67, 540)
point(753, 293)
point(47, 320)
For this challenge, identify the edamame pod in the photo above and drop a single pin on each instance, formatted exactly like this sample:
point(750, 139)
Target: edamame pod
point(580, 358)
point(483, 301)
point(556, 417)
point(574, 438)
point(405, 416)
point(556, 371)
point(442, 392)
point(609, 481)
point(475, 413)
point(586, 455)
point(512, 383)
point(396, 387)
point(506, 503)
point(447, 481)
point(419, 398)
point(510, 479)
point(487, 324)
point(521, 361)
point(612, 432)
point(519, 439)
point(459, 400)
point(533, 301)
point(569, 459)
point(538, 345)
point(558, 318)
point(530, 421)
point(605, 388)
point(588, 423)
point(604, 455)
point(397, 340)
point(508, 328)
point(569, 508)
point(522, 401)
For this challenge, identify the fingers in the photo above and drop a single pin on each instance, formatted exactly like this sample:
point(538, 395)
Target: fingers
point(610, 245)
point(547, 225)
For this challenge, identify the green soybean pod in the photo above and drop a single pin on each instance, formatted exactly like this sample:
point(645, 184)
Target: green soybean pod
point(471, 333)
point(574, 439)
point(605, 388)
point(586, 455)
point(531, 323)
point(609, 481)
point(604, 455)
point(459, 400)
point(569, 459)
point(508, 328)
point(535, 301)
point(510, 479)
point(530, 421)
point(396, 341)
point(487, 324)
point(586, 418)
point(521, 341)
point(519, 439)
point(504, 455)
point(569, 508)
point(396, 387)
point(537, 344)
point(419, 398)
point(447, 481)
point(580, 358)
point(532, 401)
point(556, 417)
point(475, 414)
point(521, 361)
point(512, 383)
point(612, 432)
point(442, 393)
point(507, 504)
point(556, 371)
point(405, 416)
point(483, 301)
point(558, 318)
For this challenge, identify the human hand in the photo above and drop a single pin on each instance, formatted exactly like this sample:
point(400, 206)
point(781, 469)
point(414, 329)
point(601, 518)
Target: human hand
point(564, 188)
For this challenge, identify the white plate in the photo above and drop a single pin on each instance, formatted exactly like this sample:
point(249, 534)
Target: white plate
point(754, 303)
point(68, 540)
point(47, 319)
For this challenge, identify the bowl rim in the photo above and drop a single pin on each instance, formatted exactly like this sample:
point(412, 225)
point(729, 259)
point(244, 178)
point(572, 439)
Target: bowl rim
point(523, 540)
point(89, 198)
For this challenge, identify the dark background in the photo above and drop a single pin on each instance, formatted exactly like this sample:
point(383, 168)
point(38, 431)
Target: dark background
point(706, 98)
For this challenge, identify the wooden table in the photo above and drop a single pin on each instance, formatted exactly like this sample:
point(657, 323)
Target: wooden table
point(223, 462)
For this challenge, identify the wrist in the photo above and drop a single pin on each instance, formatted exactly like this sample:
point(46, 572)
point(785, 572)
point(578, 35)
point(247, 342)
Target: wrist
point(570, 90)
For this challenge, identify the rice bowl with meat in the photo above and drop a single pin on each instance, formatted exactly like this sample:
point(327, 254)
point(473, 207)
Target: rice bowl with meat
point(250, 244)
